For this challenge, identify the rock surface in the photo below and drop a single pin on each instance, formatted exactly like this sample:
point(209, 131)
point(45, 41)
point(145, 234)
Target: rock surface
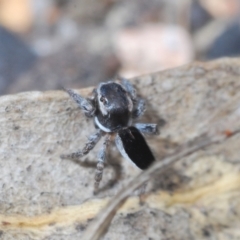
point(44, 197)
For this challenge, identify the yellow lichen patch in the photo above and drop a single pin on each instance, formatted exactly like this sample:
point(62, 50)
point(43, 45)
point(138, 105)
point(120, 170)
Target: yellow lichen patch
point(226, 183)
point(64, 217)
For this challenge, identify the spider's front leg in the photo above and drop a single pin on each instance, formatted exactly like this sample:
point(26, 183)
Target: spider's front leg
point(139, 108)
point(92, 141)
point(87, 105)
point(139, 105)
point(102, 156)
point(129, 87)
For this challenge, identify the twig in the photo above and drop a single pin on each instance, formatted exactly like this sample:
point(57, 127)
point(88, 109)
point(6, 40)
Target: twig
point(101, 223)
point(211, 136)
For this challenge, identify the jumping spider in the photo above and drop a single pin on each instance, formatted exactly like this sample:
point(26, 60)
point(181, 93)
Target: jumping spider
point(113, 105)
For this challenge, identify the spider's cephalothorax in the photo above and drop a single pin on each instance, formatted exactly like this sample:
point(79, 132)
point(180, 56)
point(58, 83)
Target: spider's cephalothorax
point(114, 106)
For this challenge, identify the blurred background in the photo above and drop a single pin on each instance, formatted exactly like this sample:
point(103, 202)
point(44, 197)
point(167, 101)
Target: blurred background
point(46, 44)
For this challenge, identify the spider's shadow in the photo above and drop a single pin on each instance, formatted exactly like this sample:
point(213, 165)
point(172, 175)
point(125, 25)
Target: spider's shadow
point(170, 181)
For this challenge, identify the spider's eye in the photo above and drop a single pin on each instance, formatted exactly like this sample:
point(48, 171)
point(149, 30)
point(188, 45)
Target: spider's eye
point(103, 100)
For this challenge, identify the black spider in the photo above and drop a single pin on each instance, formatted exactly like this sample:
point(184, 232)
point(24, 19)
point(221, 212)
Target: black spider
point(113, 106)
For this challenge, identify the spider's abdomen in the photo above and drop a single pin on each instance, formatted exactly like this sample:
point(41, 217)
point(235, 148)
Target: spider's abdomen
point(132, 146)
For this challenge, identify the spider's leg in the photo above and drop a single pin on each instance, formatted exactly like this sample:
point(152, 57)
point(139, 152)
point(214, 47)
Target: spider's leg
point(138, 103)
point(92, 141)
point(129, 87)
point(102, 155)
point(147, 128)
point(139, 108)
point(85, 104)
